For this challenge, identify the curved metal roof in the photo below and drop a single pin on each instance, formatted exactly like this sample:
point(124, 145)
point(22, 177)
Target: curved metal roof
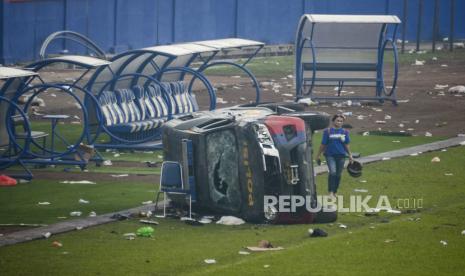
point(8, 73)
point(345, 18)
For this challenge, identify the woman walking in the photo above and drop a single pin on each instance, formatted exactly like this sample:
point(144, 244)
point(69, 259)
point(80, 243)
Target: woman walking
point(335, 146)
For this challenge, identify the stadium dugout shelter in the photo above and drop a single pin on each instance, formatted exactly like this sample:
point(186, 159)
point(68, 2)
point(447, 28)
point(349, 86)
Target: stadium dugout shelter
point(142, 89)
point(346, 50)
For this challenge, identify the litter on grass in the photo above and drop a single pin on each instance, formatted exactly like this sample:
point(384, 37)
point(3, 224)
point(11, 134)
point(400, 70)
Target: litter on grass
point(244, 253)
point(435, 159)
point(146, 231)
point(391, 211)
point(92, 214)
point(129, 236)
point(57, 244)
point(343, 226)
point(317, 233)
point(84, 182)
point(107, 163)
point(361, 190)
point(43, 203)
point(147, 202)
point(146, 221)
point(75, 214)
point(120, 175)
point(230, 220)
point(210, 261)
point(83, 201)
point(443, 243)
point(47, 235)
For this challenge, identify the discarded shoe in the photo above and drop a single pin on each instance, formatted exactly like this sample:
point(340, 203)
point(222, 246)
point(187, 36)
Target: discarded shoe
point(5, 180)
point(317, 233)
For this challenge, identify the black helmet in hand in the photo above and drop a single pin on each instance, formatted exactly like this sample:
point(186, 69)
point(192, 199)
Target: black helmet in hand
point(355, 169)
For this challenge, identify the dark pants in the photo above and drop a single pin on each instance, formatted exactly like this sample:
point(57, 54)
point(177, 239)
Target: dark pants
point(335, 166)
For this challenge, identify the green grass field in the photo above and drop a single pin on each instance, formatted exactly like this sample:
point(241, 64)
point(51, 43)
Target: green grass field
point(413, 245)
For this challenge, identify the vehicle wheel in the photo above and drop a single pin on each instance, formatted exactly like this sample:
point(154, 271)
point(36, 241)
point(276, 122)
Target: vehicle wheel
point(326, 217)
point(316, 120)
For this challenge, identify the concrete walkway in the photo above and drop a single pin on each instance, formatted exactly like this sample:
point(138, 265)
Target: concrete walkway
point(66, 226)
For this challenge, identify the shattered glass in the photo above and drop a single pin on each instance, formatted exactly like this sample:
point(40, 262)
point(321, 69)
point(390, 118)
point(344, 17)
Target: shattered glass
point(223, 169)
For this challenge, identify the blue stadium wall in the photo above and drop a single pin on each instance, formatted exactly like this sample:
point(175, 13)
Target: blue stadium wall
point(119, 25)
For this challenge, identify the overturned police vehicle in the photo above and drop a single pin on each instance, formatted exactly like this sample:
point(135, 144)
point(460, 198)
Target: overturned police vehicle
point(232, 158)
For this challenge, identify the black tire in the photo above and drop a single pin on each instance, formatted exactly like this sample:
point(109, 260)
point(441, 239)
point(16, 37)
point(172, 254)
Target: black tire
point(316, 120)
point(326, 217)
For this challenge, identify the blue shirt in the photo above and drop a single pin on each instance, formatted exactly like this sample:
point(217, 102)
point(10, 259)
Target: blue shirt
point(334, 139)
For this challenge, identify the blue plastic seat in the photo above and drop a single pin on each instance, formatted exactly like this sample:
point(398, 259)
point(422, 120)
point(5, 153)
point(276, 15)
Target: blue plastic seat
point(172, 182)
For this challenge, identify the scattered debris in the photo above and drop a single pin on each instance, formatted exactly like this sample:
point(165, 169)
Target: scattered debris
point(57, 244)
point(75, 214)
point(244, 253)
point(210, 261)
point(361, 190)
point(146, 221)
point(389, 241)
point(366, 133)
point(306, 101)
point(47, 235)
point(419, 62)
point(343, 226)
point(83, 201)
point(317, 233)
point(387, 117)
point(463, 232)
point(147, 202)
point(130, 236)
point(92, 214)
point(44, 203)
point(230, 220)
point(146, 231)
point(78, 182)
point(153, 164)
point(380, 122)
point(119, 175)
point(428, 134)
point(386, 158)
point(459, 89)
point(119, 216)
point(435, 159)
point(441, 86)
point(264, 245)
point(391, 211)
point(443, 242)
point(221, 101)
point(205, 220)
point(5, 180)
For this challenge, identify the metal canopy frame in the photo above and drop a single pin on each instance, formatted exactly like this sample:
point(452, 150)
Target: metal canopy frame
point(165, 62)
point(13, 80)
point(305, 41)
point(32, 84)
